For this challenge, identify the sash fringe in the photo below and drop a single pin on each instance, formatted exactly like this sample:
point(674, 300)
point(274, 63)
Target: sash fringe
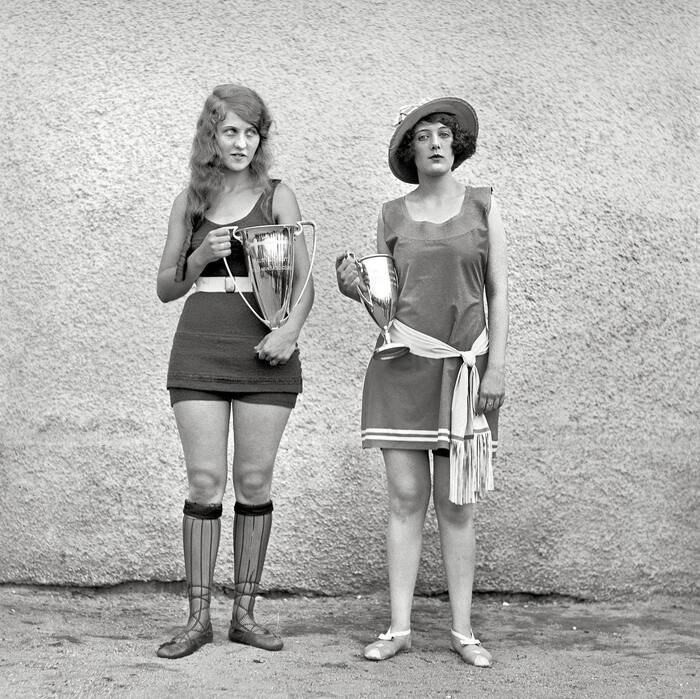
point(471, 449)
point(471, 468)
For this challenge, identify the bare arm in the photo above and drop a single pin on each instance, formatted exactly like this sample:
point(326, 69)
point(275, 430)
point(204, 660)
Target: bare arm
point(217, 244)
point(279, 345)
point(286, 211)
point(492, 389)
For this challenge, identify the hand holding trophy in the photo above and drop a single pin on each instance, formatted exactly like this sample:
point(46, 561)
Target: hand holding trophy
point(379, 278)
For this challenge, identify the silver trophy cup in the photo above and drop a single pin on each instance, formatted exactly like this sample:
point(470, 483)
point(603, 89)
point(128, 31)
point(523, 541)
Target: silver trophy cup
point(269, 256)
point(379, 277)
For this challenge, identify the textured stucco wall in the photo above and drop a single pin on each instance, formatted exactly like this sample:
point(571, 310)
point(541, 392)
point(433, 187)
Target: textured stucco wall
point(589, 137)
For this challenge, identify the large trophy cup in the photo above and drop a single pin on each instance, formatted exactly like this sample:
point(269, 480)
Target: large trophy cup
point(378, 275)
point(269, 256)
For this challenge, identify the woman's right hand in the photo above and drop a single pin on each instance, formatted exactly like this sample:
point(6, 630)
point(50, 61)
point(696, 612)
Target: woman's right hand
point(216, 244)
point(348, 276)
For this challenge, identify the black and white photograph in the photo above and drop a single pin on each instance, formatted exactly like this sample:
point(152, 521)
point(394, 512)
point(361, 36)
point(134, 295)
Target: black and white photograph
point(350, 349)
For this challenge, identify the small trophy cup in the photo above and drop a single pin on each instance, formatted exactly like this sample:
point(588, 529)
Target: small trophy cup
point(269, 256)
point(379, 276)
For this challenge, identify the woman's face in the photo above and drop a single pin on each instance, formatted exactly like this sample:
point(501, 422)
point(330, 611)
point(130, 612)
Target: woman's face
point(432, 148)
point(238, 140)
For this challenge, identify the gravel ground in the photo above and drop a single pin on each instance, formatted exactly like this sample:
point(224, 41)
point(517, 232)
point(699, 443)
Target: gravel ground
point(98, 643)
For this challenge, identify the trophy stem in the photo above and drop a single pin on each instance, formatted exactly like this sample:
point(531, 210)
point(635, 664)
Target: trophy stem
point(390, 350)
point(381, 281)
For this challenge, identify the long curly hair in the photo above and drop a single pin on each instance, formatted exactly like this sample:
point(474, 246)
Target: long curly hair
point(463, 142)
point(206, 170)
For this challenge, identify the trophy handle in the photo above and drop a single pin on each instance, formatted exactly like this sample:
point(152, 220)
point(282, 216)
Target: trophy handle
point(360, 270)
point(298, 231)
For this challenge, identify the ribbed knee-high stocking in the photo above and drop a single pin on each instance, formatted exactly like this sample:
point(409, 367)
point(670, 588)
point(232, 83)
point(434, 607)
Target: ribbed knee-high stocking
point(201, 530)
point(200, 539)
point(251, 533)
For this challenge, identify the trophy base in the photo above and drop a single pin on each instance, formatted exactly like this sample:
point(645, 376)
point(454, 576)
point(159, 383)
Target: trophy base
point(390, 350)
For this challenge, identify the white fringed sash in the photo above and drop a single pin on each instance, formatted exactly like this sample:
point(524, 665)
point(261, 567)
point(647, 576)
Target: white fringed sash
point(471, 469)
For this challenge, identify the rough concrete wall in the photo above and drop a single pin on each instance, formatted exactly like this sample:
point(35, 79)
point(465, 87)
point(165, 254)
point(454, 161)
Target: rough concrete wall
point(589, 137)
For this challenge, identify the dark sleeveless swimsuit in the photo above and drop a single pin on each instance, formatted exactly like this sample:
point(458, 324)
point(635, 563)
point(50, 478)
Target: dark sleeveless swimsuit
point(213, 345)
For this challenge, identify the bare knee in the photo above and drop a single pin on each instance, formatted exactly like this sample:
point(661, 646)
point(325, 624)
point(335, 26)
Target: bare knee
point(206, 487)
point(448, 512)
point(405, 503)
point(252, 483)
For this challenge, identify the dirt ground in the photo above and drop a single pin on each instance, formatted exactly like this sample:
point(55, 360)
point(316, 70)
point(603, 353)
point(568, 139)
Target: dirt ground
point(98, 643)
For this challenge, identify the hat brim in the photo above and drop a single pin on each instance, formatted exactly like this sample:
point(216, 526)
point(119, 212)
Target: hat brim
point(462, 111)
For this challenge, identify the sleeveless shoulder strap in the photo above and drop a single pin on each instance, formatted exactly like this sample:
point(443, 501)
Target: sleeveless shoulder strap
point(483, 196)
point(392, 219)
point(266, 200)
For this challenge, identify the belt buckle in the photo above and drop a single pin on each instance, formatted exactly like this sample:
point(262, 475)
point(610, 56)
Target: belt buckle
point(229, 285)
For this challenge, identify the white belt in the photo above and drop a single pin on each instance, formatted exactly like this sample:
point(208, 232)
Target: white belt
point(224, 284)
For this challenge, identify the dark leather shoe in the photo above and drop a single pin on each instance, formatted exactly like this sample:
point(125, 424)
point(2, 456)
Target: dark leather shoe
point(260, 637)
point(186, 643)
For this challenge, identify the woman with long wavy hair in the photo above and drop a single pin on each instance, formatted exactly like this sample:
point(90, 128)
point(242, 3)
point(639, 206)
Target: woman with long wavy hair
point(225, 365)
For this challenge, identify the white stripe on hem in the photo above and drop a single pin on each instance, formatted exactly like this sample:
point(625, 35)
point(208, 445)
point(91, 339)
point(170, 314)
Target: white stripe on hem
point(385, 438)
point(416, 434)
point(414, 437)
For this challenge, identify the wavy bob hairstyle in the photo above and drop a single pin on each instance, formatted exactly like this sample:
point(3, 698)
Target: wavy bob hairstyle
point(463, 142)
point(454, 112)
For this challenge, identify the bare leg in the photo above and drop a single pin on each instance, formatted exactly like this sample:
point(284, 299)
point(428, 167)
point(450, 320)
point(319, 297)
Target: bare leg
point(457, 541)
point(257, 433)
point(456, 524)
point(203, 427)
point(408, 480)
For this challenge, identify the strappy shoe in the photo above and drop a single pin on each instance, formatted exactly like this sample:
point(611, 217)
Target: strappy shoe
point(470, 649)
point(257, 636)
point(388, 645)
point(186, 643)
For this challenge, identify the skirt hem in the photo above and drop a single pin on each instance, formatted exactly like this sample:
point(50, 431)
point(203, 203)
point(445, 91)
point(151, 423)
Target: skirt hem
point(201, 384)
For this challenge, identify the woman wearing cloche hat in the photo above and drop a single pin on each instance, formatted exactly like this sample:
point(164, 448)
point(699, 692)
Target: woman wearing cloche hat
point(443, 397)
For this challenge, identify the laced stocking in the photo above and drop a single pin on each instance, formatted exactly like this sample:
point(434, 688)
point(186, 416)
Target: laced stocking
point(200, 538)
point(251, 532)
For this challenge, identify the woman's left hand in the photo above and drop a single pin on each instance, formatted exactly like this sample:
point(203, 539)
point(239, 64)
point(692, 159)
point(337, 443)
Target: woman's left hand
point(277, 346)
point(492, 390)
